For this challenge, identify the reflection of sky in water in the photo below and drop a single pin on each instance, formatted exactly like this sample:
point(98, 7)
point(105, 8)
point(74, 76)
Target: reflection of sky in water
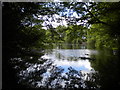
point(69, 57)
point(83, 65)
point(60, 59)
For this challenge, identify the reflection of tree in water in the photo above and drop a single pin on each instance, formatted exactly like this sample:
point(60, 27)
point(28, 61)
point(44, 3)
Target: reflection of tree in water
point(43, 74)
point(108, 66)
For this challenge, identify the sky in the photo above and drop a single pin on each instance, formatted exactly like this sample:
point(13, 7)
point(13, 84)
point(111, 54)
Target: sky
point(53, 20)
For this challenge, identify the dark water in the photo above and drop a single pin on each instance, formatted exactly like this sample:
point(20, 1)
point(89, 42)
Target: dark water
point(69, 66)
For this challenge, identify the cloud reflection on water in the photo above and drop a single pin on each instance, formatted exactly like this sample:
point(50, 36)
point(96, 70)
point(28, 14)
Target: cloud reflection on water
point(71, 57)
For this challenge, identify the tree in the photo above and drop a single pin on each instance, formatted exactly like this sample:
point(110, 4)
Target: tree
point(21, 32)
point(109, 14)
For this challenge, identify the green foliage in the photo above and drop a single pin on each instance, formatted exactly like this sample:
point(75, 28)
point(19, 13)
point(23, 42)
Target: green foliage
point(105, 33)
point(72, 34)
point(103, 18)
point(99, 35)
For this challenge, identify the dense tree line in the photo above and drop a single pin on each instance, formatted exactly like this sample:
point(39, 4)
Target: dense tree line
point(101, 21)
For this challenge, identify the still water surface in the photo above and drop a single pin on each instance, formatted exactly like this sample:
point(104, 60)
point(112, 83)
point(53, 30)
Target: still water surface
point(70, 58)
point(67, 67)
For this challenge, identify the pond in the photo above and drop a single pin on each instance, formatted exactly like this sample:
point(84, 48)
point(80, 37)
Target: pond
point(76, 58)
point(69, 66)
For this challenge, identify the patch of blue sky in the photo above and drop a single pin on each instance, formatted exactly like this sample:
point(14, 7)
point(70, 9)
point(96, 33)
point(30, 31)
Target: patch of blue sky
point(69, 13)
point(81, 68)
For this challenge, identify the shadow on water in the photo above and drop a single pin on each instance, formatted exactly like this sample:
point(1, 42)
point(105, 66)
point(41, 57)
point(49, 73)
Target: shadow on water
point(37, 72)
point(108, 65)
